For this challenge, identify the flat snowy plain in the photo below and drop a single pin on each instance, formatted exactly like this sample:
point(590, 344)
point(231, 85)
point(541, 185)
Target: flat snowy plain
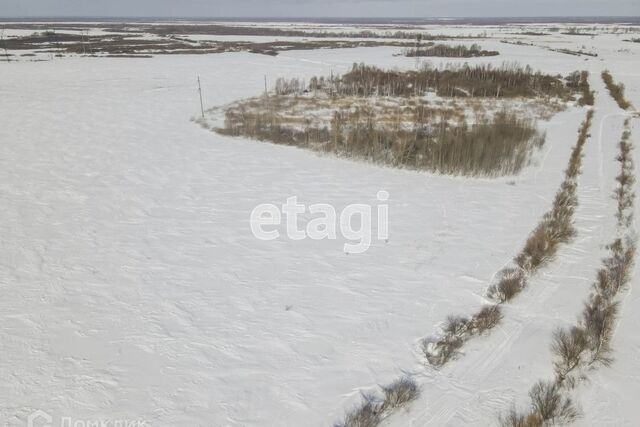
point(133, 288)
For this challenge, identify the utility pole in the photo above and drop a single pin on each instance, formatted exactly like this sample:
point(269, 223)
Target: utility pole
point(6, 54)
point(266, 92)
point(84, 48)
point(200, 92)
point(89, 43)
point(55, 38)
point(418, 40)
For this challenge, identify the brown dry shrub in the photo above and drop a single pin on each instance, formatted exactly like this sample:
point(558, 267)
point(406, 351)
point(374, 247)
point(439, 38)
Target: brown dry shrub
point(487, 318)
point(456, 325)
point(568, 347)
point(510, 283)
point(366, 415)
point(550, 405)
point(399, 393)
point(598, 318)
point(513, 418)
point(440, 352)
point(615, 90)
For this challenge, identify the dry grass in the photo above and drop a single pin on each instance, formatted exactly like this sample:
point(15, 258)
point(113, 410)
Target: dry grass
point(406, 136)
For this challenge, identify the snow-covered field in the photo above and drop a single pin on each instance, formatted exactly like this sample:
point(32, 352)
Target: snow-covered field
point(133, 289)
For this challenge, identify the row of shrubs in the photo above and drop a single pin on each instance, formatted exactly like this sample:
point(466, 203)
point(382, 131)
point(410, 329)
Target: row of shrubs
point(375, 408)
point(508, 80)
point(500, 145)
point(588, 343)
point(579, 81)
point(449, 51)
point(482, 80)
point(616, 90)
point(555, 228)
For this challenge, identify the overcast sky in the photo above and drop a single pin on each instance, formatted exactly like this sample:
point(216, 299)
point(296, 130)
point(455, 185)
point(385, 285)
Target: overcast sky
point(317, 8)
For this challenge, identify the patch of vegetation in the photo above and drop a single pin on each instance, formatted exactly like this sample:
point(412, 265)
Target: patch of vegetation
point(573, 52)
point(506, 81)
point(574, 31)
point(580, 82)
point(615, 90)
point(448, 51)
point(499, 145)
point(130, 43)
point(532, 33)
point(240, 30)
point(380, 116)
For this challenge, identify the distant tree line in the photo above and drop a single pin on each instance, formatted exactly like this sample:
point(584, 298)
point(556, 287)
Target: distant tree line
point(506, 81)
point(448, 51)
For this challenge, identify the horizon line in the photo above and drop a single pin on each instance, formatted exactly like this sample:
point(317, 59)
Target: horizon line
point(377, 18)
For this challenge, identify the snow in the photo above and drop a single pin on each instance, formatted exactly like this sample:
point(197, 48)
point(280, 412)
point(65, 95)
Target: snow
point(133, 287)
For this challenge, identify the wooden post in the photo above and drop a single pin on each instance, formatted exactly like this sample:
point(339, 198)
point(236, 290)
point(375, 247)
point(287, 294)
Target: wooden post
point(200, 92)
point(265, 87)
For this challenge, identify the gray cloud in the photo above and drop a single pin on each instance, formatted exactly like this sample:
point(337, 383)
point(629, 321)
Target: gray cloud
point(315, 8)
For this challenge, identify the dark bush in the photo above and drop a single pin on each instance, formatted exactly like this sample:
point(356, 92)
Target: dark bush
point(440, 352)
point(548, 403)
point(511, 281)
point(399, 393)
point(448, 51)
point(615, 90)
point(487, 318)
point(568, 347)
point(366, 415)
